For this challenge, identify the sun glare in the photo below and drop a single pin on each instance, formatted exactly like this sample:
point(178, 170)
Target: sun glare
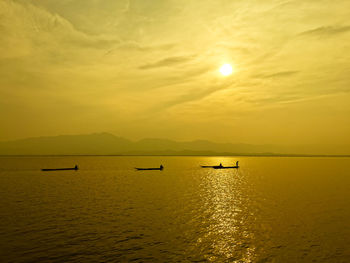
point(226, 69)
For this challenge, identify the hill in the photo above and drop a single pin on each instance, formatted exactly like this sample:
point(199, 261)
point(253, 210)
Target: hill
point(108, 144)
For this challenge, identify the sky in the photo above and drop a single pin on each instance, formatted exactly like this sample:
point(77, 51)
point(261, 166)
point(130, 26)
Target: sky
point(141, 69)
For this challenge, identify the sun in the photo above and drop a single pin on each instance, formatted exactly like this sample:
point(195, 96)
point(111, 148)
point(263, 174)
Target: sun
point(226, 69)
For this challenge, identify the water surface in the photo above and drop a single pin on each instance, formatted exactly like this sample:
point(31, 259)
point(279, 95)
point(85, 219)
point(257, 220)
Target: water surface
point(272, 209)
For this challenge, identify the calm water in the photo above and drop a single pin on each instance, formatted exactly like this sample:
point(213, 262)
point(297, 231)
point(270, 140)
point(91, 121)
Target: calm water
point(269, 210)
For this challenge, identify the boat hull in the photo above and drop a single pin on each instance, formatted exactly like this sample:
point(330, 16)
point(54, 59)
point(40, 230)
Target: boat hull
point(220, 167)
point(60, 169)
point(227, 167)
point(149, 169)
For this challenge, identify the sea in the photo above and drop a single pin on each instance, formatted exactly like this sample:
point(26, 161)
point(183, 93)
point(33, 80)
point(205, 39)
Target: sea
point(271, 209)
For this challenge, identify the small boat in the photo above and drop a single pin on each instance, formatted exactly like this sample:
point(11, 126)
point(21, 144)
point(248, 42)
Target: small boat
point(221, 166)
point(62, 169)
point(225, 167)
point(160, 168)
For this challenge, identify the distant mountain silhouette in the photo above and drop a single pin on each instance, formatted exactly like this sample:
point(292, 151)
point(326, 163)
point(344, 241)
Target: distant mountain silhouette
point(108, 144)
point(102, 143)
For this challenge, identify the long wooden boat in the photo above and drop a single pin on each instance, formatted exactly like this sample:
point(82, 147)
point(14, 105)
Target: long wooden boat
point(225, 167)
point(160, 168)
point(75, 168)
point(221, 166)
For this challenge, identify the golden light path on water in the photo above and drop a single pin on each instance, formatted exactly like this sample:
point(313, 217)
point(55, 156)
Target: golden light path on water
point(229, 224)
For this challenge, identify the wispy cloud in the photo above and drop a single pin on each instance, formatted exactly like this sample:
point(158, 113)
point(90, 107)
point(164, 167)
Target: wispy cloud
point(168, 62)
point(196, 94)
point(136, 46)
point(281, 74)
point(326, 31)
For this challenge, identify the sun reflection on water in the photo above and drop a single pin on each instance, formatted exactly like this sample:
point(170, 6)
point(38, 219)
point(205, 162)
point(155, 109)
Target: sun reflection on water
point(225, 201)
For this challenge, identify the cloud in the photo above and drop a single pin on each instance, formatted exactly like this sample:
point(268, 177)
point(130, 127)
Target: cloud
point(281, 74)
point(168, 62)
point(270, 100)
point(196, 94)
point(326, 31)
point(29, 30)
point(136, 46)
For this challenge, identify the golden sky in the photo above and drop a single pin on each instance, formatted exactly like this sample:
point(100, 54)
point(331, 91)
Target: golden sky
point(151, 69)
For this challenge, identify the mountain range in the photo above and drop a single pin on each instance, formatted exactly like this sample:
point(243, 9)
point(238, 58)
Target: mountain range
point(109, 144)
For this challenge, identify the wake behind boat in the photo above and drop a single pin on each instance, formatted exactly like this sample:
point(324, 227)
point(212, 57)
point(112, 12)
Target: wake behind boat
point(160, 168)
point(61, 169)
point(221, 166)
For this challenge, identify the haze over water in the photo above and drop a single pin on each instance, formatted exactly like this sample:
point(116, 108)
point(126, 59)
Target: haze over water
point(271, 209)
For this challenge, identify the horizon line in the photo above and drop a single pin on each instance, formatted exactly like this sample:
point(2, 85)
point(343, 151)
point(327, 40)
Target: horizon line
point(179, 155)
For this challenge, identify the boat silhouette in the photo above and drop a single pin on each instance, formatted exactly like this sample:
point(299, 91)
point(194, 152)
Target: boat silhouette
point(160, 168)
point(220, 166)
point(62, 169)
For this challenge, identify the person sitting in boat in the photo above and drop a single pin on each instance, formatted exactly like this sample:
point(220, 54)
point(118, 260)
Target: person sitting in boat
point(161, 167)
point(76, 167)
point(220, 165)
